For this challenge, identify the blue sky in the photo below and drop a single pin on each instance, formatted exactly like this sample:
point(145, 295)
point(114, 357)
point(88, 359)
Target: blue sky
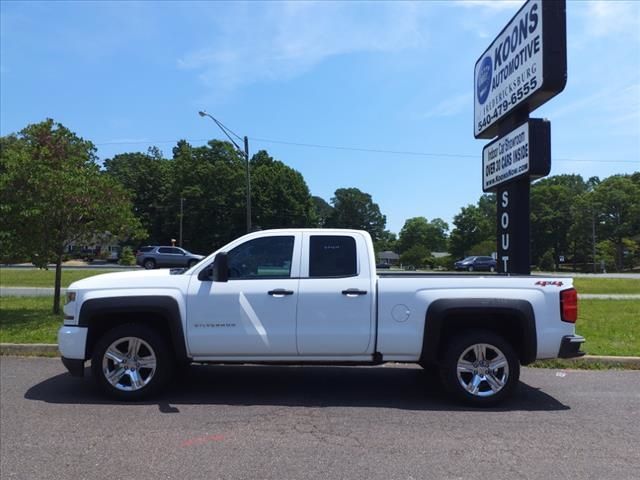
point(380, 76)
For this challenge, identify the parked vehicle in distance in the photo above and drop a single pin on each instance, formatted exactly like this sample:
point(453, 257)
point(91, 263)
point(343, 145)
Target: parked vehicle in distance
point(313, 296)
point(476, 264)
point(151, 257)
point(385, 266)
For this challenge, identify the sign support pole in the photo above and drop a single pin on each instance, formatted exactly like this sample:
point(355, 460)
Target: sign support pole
point(513, 212)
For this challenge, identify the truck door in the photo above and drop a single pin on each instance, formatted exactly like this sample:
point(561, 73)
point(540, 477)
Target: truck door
point(254, 312)
point(336, 300)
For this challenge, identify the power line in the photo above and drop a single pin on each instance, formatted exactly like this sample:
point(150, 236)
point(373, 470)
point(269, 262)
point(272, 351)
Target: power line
point(368, 150)
point(357, 149)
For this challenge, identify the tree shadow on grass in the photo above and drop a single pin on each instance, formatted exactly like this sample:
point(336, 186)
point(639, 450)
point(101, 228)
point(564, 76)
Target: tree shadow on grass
point(406, 388)
point(25, 324)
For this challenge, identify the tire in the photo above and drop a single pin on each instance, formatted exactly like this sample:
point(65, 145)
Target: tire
point(149, 264)
point(192, 263)
point(468, 379)
point(492, 269)
point(470, 269)
point(131, 362)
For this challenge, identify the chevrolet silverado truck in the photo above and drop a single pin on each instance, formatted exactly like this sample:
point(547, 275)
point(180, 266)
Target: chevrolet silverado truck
point(312, 296)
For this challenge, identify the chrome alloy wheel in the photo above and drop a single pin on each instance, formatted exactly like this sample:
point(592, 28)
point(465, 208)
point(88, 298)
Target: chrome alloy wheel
point(483, 370)
point(129, 364)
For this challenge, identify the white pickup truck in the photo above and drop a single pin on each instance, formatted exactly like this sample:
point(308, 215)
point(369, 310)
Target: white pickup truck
point(313, 296)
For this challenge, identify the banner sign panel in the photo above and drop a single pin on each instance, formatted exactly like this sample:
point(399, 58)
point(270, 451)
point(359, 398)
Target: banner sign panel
point(524, 151)
point(525, 66)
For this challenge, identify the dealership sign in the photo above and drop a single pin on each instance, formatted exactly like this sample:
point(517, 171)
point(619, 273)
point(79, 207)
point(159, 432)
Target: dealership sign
point(525, 151)
point(525, 66)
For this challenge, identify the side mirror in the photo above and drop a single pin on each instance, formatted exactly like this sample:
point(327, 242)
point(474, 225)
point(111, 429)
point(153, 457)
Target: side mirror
point(218, 271)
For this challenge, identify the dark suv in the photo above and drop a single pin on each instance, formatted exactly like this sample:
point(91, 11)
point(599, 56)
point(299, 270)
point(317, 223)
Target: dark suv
point(151, 257)
point(476, 263)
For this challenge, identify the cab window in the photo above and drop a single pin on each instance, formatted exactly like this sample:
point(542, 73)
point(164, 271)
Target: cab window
point(266, 257)
point(332, 256)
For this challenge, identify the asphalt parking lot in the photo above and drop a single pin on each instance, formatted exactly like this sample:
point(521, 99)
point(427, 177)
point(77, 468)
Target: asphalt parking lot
point(264, 422)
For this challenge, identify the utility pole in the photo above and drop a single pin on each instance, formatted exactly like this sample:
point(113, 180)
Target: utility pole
point(181, 217)
point(593, 236)
point(246, 158)
point(244, 153)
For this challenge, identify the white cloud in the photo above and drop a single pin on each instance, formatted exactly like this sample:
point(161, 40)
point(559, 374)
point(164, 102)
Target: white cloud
point(491, 4)
point(284, 40)
point(451, 106)
point(615, 110)
point(607, 17)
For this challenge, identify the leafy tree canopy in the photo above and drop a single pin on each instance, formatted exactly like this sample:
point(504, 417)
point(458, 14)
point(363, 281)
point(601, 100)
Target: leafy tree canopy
point(418, 231)
point(353, 208)
point(280, 196)
point(53, 195)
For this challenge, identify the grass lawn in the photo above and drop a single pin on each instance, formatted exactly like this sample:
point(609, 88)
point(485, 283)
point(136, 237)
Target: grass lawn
point(607, 285)
point(28, 320)
point(611, 327)
point(45, 278)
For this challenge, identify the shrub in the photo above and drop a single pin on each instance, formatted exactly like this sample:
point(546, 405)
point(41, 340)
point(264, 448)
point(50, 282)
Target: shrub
point(547, 262)
point(127, 257)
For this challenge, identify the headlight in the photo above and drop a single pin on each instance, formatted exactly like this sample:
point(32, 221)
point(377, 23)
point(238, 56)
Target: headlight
point(71, 297)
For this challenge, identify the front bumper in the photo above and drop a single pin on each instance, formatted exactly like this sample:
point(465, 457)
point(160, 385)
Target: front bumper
point(72, 342)
point(570, 346)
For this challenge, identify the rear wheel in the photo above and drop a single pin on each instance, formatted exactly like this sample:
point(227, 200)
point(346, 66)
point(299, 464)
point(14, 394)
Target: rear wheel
point(131, 362)
point(149, 264)
point(492, 269)
point(480, 368)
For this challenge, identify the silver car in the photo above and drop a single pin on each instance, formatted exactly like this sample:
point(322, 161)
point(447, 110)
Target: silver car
point(151, 257)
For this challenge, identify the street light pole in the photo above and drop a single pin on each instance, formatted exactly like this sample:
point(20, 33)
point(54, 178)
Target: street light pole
point(244, 153)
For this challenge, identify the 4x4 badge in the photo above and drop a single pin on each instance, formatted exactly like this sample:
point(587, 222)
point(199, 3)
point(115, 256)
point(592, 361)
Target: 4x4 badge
point(544, 283)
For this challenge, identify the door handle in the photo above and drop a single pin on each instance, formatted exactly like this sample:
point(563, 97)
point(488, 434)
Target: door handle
point(280, 292)
point(352, 292)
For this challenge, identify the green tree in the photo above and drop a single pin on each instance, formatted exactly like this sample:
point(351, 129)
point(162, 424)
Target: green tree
point(146, 177)
point(551, 215)
point(582, 231)
point(418, 231)
point(211, 182)
point(322, 211)
point(52, 195)
point(388, 242)
point(618, 204)
point(471, 227)
point(279, 195)
point(353, 208)
point(417, 256)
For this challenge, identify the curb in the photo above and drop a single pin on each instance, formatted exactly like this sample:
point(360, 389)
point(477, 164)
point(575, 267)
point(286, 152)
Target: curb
point(49, 349)
point(29, 349)
point(629, 362)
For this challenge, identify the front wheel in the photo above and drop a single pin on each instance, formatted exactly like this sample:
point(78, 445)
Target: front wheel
point(470, 269)
point(131, 362)
point(480, 368)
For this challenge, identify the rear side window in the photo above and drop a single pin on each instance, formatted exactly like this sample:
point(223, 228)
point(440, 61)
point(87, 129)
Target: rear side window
point(146, 249)
point(332, 256)
point(175, 251)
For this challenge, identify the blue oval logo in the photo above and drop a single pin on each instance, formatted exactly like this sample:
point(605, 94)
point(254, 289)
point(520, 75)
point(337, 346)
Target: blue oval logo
point(483, 85)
